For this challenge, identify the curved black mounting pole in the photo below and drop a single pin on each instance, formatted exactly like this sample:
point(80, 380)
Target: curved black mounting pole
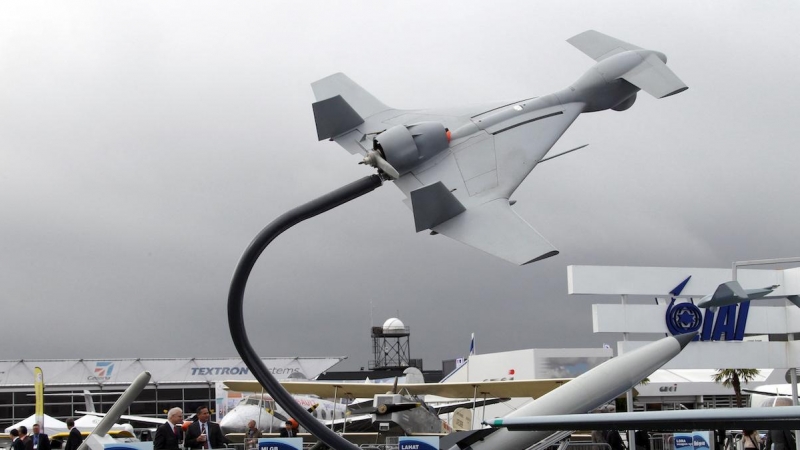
point(236, 298)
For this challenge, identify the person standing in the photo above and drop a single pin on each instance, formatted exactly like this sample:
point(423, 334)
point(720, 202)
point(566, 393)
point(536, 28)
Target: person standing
point(782, 439)
point(169, 434)
point(614, 440)
point(251, 435)
point(16, 443)
point(642, 440)
point(27, 442)
point(287, 430)
point(75, 438)
point(41, 441)
point(205, 433)
point(751, 439)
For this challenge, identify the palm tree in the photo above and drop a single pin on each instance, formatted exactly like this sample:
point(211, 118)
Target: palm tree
point(734, 378)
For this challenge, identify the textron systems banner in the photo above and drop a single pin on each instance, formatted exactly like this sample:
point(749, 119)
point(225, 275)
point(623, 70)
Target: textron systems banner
point(123, 371)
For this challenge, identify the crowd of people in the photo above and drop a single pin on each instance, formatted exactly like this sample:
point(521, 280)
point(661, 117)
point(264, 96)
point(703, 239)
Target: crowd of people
point(38, 440)
point(174, 434)
point(203, 434)
point(200, 434)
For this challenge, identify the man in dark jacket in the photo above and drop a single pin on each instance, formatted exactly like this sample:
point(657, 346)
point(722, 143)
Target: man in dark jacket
point(40, 440)
point(288, 430)
point(169, 435)
point(205, 433)
point(27, 442)
point(16, 442)
point(75, 438)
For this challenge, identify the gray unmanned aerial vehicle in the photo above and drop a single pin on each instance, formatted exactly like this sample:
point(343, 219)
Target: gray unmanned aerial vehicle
point(458, 167)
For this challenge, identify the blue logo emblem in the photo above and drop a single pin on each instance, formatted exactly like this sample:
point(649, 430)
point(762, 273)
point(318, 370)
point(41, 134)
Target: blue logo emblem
point(683, 318)
point(686, 317)
point(102, 371)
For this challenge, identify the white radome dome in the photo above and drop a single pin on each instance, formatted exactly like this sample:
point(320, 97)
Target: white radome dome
point(393, 324)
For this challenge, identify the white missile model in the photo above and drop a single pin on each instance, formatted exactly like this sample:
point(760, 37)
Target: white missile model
point(99, 436)
point(586, 392)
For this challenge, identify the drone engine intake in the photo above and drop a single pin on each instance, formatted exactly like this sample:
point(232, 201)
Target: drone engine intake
point(405, 147)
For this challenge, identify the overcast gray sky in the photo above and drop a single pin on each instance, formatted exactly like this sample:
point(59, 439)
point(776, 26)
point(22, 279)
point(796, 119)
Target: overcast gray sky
point(144, 144)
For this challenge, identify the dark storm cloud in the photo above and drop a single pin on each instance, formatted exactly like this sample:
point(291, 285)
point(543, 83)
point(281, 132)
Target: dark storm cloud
point(143, 146)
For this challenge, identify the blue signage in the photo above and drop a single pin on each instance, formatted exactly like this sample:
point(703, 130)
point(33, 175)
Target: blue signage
point(418, 443)
point(697, 440)
point(129, 446)
point(293, 443)
point(727, 323)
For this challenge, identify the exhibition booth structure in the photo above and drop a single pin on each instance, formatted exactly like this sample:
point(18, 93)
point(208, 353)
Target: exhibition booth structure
point(183, 382)
point(659, 301)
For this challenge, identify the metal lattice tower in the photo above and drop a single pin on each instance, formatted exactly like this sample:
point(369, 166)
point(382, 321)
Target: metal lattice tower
point(391, 346)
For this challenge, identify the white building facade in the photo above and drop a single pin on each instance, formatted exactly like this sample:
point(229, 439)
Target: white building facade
point(183, 382)
point(749, 335)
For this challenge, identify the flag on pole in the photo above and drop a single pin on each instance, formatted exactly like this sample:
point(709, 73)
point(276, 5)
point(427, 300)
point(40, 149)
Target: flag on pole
point(472, 345)
point(38, 388)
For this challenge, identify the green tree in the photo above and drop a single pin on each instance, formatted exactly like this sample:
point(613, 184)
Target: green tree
point(734, 378)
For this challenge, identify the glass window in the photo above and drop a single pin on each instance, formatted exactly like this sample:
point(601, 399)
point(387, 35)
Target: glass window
point(6, 398)
point(147, 394)
point(164, 407)
point(22, 398)
point(170, 394)
point(143, 408)
point(23, 411)
point(5, 417)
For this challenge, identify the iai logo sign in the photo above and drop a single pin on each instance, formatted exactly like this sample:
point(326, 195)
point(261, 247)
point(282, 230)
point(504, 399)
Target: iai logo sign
point(102, 371)
point(727, 323)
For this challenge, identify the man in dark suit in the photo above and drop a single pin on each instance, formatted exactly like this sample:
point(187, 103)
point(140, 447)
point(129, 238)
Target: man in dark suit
point(16, 443)
point(27, 442)
point(205, 433)
point(40, 440)
point(169, 435)
point(288, 430)
point(75, 438)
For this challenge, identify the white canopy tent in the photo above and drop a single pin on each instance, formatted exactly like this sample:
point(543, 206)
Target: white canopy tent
point(51, 425)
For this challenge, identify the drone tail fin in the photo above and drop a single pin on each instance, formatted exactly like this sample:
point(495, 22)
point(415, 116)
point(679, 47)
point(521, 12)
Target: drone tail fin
point(652, 75)
point(599, 46)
